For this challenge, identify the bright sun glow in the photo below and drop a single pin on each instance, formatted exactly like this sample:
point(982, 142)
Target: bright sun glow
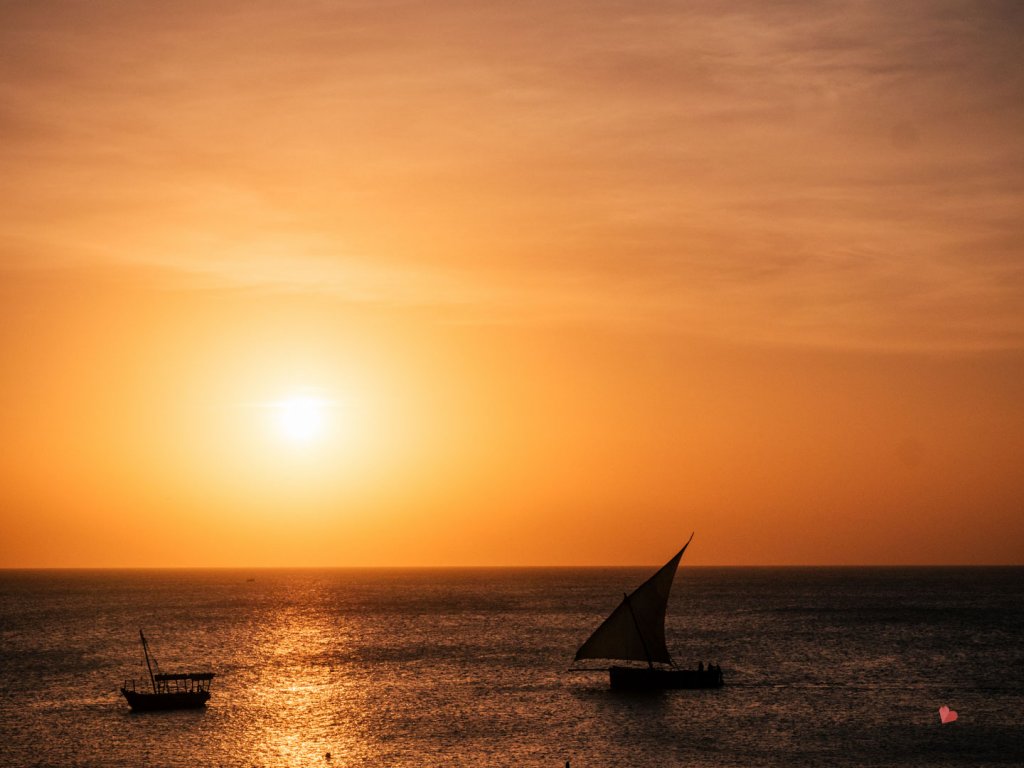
point(301, 418)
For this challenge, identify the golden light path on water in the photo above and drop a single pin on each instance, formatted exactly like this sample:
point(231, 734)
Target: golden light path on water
point(302, 692)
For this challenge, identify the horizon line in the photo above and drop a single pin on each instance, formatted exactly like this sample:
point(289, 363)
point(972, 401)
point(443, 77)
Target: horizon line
point(480, 567)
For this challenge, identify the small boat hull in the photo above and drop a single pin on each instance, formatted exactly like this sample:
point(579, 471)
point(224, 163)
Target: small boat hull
point(648, 679)
point(152, 702)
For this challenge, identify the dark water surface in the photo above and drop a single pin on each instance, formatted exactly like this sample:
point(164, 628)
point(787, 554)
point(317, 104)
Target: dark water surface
point(824, 667)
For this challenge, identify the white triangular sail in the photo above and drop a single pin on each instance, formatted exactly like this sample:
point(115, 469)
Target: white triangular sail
point(635, 631)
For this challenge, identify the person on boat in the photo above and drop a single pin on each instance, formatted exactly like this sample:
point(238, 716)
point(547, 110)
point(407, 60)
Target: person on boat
point(700, 666)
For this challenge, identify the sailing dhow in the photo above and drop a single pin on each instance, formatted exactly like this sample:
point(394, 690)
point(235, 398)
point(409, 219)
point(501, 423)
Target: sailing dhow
point(635, 631)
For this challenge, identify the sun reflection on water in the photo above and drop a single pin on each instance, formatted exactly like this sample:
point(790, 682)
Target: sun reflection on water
point(302, 702)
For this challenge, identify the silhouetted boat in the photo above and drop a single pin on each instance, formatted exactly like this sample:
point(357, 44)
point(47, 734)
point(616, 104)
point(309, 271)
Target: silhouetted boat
point(635, 631)
point(190, 690)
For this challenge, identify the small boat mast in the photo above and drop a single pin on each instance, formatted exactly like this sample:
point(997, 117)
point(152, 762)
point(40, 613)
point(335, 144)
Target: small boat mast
point(145, 650)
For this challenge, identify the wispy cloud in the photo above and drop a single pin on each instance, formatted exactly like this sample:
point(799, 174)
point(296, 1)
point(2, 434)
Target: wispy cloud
point(801, 172)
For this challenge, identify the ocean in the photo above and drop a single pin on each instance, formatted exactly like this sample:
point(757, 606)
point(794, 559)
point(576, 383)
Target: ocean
point(468, 667)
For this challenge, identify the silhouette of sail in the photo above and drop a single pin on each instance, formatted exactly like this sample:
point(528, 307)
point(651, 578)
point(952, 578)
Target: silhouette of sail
point(635, 631)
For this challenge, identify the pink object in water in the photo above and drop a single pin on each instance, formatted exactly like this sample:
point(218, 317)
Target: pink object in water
point(947, 715)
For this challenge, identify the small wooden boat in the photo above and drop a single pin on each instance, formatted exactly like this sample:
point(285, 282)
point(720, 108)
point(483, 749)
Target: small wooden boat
point(635, 631)
point(189, 690)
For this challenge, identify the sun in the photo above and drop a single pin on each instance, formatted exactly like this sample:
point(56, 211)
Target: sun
point(301, 418)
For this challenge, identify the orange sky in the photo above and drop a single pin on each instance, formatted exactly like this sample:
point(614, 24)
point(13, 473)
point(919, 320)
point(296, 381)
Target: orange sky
point(574, 279)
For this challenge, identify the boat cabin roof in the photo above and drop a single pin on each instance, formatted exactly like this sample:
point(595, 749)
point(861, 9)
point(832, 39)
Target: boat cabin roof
point(186, 676)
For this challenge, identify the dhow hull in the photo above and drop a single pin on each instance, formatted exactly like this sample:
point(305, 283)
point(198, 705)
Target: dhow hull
point(647, 679)
point(152, 702)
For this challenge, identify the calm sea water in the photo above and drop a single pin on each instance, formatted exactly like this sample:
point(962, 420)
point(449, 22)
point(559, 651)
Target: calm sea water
point(824, 667)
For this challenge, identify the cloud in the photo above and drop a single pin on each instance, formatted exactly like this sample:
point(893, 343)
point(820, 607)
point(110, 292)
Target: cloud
point(804, 173)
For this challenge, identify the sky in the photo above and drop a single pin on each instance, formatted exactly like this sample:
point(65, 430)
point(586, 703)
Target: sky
point(511, 283)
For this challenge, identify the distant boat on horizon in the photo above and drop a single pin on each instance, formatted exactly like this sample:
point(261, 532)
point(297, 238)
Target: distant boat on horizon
point(635, 631)
point(190, 690)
